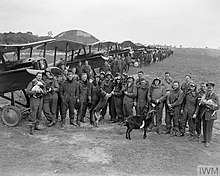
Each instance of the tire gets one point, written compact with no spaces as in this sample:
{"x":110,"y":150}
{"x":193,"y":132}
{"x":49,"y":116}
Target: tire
{"x":11,"y":116}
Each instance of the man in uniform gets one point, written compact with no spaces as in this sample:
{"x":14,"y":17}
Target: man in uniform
{"x":87,"y":69}
{"x":105,"y":68}
{"x":51,"y":98}
{"x":174,"y":102}
{"x":201,"y":94}
{"x":209,"y":114}
{"x":142,"y":98}
{"x":185,"y":87}
{"x":130,"y":93}
{"x":114,"y":66}
{"x":79,"y":69}
{"x":84,"y":98}
{"x":156,"y":96}
{"x":36,"y":90}
{"x":107,"y":86}
{"x":128,"y":62}
{"x":69,"y":93}
{"x":167,"y":83}
{"x":140,"y":76}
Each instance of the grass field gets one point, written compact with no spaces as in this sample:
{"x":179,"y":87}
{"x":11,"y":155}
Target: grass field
{"x":105,"y":151}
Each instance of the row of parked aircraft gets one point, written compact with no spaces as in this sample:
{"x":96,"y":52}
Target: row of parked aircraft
{"x":15,"y":75}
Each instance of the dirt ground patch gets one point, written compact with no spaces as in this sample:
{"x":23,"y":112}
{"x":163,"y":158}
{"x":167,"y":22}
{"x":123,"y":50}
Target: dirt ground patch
{"x":104,"y":150}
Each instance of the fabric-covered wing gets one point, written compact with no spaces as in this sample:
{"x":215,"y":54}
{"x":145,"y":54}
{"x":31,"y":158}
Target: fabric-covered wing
{"x":103,"y":44}
{"x":11,"y":48}
{"x":64,"y":45}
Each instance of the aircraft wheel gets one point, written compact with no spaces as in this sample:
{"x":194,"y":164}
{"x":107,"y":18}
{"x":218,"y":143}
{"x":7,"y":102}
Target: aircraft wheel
{"x":11,"y":116}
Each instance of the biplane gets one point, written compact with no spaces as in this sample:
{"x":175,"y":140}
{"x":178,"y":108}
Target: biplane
{"x":78,"y":52}
{"x":111,"y":48}
{"x":15,"y":76}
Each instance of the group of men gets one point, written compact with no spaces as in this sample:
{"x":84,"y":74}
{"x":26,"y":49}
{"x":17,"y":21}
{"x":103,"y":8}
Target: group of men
{"x":79,"y":89}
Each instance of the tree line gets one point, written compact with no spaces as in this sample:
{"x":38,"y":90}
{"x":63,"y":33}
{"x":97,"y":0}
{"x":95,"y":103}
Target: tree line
{"x":19,"y":37}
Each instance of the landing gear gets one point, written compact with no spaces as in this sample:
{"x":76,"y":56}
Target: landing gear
{"x":11,"y":115}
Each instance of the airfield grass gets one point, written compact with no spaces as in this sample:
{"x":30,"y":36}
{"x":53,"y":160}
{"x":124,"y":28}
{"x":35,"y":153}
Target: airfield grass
{"x":104,"y":150}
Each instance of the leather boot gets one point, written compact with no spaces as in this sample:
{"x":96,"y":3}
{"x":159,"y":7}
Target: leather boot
{"x":72,"y":122}
{"x":62,"y":123}
{"x":36,"y":126}
{"x":31,"y":128}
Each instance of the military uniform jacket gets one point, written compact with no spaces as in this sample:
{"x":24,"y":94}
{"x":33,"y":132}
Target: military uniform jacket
{"x":211,"y":113}
{"x":51,"y":84}
{"x":167,"y":84}
{"x":131,"y":92}
{"x":175,"y":98}
{"x":157,"y":93}
{"x":142,"y":94}
{"x":69,"y":89}
{"x":190,"y":103}
{"x":84,"y":90}
{"x":107,"y":85}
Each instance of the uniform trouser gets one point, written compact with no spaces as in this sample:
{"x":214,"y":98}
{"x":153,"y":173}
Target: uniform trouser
{"x":82,"y":111}
{"x":198,"y":125}
{"x":192,"y":125}
{"x":53,"y":101}
{"x":175,"y":117}
{"x":50,"y":106}
{"x":118,"y":107}
{"x":59,"y":108}
{"x":207,"y":130}
{"x":159,"y":112}
{"x":158,"y":115}
{"x":199,"y":122}
{"x":183,"y":120}
{"x":68,"y":103}
{"x":128,"y":66}
{"x":140,"y":108}
{"x":109,"y":104}
{"x":36,"y":105}
{"x":128,"y":106}
{"x":168,"y":118}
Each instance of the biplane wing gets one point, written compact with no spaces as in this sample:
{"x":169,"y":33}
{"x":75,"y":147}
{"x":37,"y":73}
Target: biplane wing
{"x":63,"y":45}
{"x":9,"y":79}
{"x":103,"y":44}
{"x":14,"y":47}
{"x":127,"y":44}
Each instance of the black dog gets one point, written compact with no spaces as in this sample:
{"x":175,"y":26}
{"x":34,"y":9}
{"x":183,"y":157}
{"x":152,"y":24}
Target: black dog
{"x":138,"y":122}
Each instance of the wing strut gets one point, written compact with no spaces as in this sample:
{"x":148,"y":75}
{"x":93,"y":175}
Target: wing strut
{"x":66,"y":53}
{"x":19,"y":53}
{"x":55,"y":55}
{"x":72,"y":55}
{"x":31,"y":51}
{"x":45,"y":44}
{"x":3,"y":60}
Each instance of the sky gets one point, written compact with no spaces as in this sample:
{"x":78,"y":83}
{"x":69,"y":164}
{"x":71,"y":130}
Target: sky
{"x":190,"y":23}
